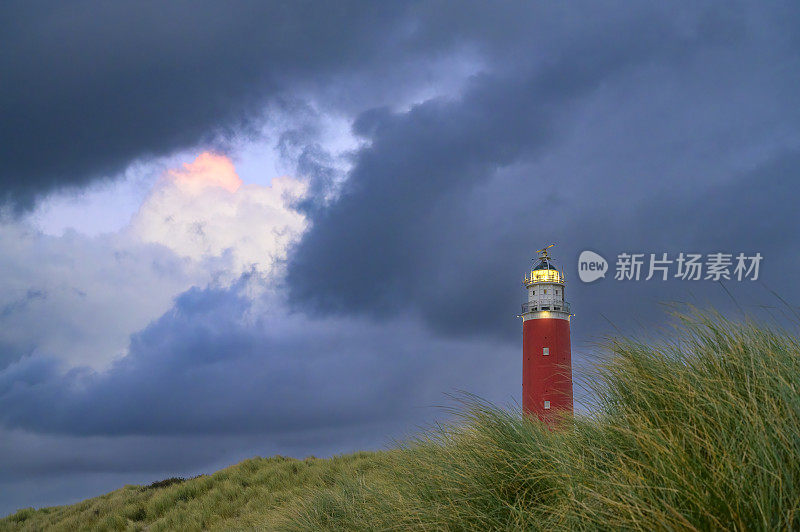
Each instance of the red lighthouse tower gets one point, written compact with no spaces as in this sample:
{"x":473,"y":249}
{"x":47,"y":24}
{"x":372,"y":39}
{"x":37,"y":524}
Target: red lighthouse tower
{"x":546,"y":354}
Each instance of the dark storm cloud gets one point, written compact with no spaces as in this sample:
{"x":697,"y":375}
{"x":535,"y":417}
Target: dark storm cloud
{"x":755,"y":210}
{"x":417,"y":227}
{"x":753,"y":213}
{"x":88,"y":87}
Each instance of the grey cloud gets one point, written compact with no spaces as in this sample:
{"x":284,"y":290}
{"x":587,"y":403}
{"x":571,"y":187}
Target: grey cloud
{"x":413,"y":230}
{"x":212,"y":366}
{"x":31,"y":295}
{"x":62,"y":295}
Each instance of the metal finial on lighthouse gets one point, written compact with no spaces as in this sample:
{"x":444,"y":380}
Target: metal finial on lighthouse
{"x":546,"y":363}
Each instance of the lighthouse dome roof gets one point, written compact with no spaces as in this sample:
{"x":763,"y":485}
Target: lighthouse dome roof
{"x":545,"y":264}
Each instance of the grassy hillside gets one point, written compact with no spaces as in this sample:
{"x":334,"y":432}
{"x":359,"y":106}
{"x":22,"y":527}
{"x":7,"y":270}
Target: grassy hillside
{"x":252,"y":494}
{"x":700,"y":430}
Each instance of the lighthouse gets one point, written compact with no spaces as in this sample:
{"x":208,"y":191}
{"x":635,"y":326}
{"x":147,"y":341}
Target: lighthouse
{"x":546,"y":354}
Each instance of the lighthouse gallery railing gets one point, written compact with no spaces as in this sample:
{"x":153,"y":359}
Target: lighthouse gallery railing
{"x":545,"y":305}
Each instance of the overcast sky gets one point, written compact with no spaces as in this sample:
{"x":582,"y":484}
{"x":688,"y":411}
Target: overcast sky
{"x":240,"y":228}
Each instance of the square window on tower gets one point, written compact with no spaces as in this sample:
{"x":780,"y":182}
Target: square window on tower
{"x":547,"y":405}
{"x":545,"y":351}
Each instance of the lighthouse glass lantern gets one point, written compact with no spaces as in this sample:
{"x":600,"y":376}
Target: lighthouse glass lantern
{"x":546,"y":353}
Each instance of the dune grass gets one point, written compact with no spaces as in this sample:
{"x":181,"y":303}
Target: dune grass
{"x":250,"y":495}
{"x":698,"y":430}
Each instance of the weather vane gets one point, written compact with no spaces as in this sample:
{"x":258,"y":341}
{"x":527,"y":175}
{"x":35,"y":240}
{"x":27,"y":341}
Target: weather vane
{"x":543,"y":252}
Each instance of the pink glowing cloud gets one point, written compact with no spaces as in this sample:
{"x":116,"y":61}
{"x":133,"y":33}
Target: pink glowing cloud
{"x":202,"y":211}
{"x":207,"y":170}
